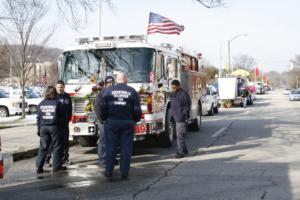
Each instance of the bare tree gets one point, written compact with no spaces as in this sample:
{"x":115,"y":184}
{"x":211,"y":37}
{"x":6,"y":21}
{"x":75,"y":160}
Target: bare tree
{"x":25,"y":36}
{"x":71,"y":9}
{"x":4,"y":60}
{"x":244,"y":62}
{"x":211,"y":72}
{"x":211,"y":3}
{"x":296,"y":61}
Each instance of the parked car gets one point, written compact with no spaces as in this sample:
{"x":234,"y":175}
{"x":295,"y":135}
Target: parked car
{"x":287,"y":91}
{"x":260,"y":88}
{"x":10,"y":106}
{"x":294,"y":95}
{"x":31,"y":98}
{"x":212,"y":99}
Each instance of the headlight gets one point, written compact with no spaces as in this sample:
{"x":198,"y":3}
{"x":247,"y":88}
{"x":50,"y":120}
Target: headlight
{"x":91,"y":117}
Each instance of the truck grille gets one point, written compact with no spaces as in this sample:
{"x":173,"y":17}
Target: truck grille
{"x":80,"y":105}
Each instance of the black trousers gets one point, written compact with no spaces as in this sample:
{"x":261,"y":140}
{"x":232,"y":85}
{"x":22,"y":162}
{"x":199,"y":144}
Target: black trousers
{"x":65,"y":144}
{"x":48,"y":135}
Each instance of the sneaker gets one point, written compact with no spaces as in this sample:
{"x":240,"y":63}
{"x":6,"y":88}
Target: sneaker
{"x":48,"y":164}
{"x":67,"y":162}
{"x":107,"y":176}
{"x":59,"y":169}
{"x":101,"y":165}
{"x":39,"y":170}
{"x":179,"y":155}
{"x":124,"y":177}
{"x":185,"y":152}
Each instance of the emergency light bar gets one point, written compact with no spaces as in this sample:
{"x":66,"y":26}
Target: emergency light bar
{"x":130,"y":38}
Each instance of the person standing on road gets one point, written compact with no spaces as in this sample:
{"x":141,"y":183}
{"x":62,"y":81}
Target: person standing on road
{"x":245,"y":95}
{"x":121,"y":109}
{"x":66,"y":101}
{"x":108,"y":82}
{"x":50,"y":117}
{"x":180,"y":111}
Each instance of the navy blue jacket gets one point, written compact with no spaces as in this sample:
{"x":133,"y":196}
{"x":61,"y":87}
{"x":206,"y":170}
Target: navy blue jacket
{"x":180,"y":105}
{"x":97,"y":106}
{"x":120,"y":102}
{"x":66,"y":101}
{"x":50,"y":113}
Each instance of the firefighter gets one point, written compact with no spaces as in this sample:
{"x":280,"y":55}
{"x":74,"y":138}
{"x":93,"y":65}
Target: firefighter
{"x":66,"y":101}
{"x":180,"y":111}
{"x":121,"y":109}
{"x":50,"y":116}
{"x":108,"y":82}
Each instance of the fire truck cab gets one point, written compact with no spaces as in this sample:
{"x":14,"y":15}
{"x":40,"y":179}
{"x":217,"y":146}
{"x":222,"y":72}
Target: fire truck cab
{"x":150,"y":71}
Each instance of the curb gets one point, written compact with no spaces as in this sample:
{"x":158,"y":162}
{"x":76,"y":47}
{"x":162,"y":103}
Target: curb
{"x":22,"y":155}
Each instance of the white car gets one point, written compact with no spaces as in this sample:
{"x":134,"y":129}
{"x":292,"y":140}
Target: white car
{"x":294,"y":95}
{"x":212,"y":100}
{"x":31,"y":98}
{"x":10,"y":106}
{"x":287,"y":91}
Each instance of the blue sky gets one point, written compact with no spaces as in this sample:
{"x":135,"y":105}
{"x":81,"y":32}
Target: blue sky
{"x":272,"y":28}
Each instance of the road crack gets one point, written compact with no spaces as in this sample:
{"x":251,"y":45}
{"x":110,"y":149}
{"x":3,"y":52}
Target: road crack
{"x":264,"y":195}
{"x":222,"y":135}
{"x":157,"y":180}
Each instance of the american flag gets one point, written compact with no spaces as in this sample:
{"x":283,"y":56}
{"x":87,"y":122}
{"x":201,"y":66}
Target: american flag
{"x":163,"y":25}
{"x":152,"y":75}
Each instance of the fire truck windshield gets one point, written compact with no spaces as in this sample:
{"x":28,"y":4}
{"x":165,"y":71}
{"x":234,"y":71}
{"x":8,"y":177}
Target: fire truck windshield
{"x":80,"y":65}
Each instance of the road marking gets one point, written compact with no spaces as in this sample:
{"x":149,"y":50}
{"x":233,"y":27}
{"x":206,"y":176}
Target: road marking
{"x":216,"y":134}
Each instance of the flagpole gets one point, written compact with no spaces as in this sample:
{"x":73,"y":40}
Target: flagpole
{"x":148,"y":27}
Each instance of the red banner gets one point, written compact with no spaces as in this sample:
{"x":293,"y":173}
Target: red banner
{"x":256,"y":71}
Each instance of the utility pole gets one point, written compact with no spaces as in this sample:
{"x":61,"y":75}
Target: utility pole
{"x":229,"y":41}
{"x":220,"y":67}
{"x":10,"y":70}
{"x":229,"y":67}
{"x":100,"y":17}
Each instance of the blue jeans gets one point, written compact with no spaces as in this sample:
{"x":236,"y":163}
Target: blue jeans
{"x":50,"y":134}
{"x":101,"y":144}
{"x":119,"y":132}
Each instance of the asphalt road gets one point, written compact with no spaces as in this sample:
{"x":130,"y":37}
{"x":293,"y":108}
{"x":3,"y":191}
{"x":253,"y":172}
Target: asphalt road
{"x":238,"y":154}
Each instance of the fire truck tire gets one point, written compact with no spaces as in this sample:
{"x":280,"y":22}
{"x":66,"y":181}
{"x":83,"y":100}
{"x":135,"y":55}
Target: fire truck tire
{"x":195,"y":125}
{"x":87,"y":141}
{"x":216,"y":109}
{"x":212,"y":111}
{"x":166,"y":138}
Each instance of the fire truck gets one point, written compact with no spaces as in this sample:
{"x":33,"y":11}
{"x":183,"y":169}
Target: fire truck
{"x":150,"y":69}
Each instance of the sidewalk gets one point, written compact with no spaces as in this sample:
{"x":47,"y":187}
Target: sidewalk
{"x":21,"y":142}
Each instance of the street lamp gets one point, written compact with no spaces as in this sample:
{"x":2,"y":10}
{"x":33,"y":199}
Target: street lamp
{"x":229,"y":41}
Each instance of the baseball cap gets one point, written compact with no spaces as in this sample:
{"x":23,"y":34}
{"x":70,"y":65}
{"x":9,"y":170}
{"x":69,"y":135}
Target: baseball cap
{"x":109,"y":79}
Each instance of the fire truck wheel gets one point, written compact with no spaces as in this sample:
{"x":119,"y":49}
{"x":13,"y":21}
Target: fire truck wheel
{"x":211,"y":112}
{"x":166,"y":138}
{"x":216,"y":109}
{"x":196,"y":123}
{"x":87,"y":141}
